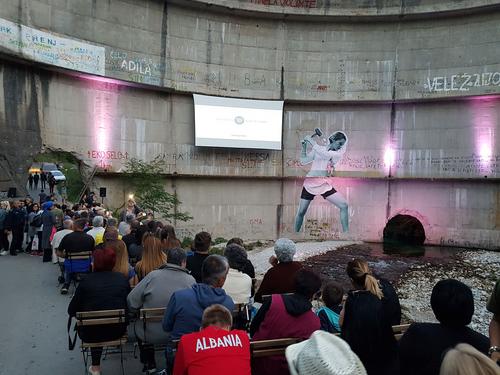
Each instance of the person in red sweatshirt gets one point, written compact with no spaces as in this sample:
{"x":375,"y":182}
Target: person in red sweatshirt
{"x":215,"y":349}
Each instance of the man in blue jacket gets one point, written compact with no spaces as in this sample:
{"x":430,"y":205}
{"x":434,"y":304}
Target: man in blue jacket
{"x":185,"y":308}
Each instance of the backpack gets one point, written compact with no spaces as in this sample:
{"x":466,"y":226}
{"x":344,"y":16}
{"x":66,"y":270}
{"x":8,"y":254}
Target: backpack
{"x":37,"y":220}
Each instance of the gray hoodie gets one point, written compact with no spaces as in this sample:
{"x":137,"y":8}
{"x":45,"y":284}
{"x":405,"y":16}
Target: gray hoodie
{"x":155,"y":291}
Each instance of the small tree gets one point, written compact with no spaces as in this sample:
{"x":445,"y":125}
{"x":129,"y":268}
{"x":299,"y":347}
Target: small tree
{"x":145,"y":179}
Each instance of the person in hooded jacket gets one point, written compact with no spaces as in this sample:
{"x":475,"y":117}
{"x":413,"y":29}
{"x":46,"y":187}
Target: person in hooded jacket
{"x":317,"y":181}
{"x":185,"y":308}
{"x":286,"y":316}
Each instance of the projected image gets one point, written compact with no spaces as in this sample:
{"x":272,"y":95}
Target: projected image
{"x":318,"y":180}
{"x":239,"y":123}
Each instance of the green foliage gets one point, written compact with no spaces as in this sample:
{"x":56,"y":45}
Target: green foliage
{"x":186,"y":243}
{"x":70,"y":168}
{"x":219,"y":240}
{"x":216,"y":250}
{"x":149,"y":192}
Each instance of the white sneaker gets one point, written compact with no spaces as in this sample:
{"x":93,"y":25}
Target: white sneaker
{"x":3,"y":253}
{"x":92,"y":372}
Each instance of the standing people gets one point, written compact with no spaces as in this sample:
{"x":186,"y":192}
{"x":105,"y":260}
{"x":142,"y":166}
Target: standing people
{"x":4,"y":242}
{"x":48,"y":221}
{"x":42,"y":197}
{"x":43,"y":179}
{"x":30,"y":181}
{"x":34,"y":229}
{"x":52,"y":182}
{"x":14,"y":222}
{"x":36,"y":178}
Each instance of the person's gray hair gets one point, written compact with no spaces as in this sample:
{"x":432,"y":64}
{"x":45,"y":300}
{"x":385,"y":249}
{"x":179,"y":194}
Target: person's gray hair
{"x":284,"y":249}
{"x":112,"y":222}
{"x":98,"y":221}
{"x":213,"y":268}
{"x":123,"y":228}
{"x":67,"y":224}
{"x":236,"y":256}
{"x":176,"y":256}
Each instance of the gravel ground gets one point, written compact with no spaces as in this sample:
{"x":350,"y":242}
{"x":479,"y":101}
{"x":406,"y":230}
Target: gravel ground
{"x":413,"y":277}
{"x":260,"y":258}
{"x":478,"y":269}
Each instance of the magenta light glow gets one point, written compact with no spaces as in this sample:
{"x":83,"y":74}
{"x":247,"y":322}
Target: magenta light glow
{"x":103,"y":103}
{"x":389,"y":157}
{"x":484,"y":121}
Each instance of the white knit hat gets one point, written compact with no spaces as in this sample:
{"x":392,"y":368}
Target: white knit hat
{"x":323,"y":354}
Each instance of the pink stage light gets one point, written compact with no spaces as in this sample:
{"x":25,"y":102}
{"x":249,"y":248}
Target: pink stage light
{"x":103,"y":103}
{"x":484,"y":121}
{"x":389,"y":157}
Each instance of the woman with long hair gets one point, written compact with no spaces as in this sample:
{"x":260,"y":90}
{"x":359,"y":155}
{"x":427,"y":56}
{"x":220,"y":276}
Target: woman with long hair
{"x":464,"y":359}
{"x":317,"y":181}
{"x":365,"y":325}
{"x":168,"y":238}
{"x":102,"y":289}
{"x":122,"y":265}
{"x":152,"y":256}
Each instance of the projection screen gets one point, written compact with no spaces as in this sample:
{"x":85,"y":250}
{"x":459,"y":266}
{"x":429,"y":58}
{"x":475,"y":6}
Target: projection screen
{"x":238,"y":123}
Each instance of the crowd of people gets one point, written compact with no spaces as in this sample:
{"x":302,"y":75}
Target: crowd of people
{"x":137,"y":262}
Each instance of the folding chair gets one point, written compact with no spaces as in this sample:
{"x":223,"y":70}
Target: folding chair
{"x":399,"y":330}
{"x":78,"y":256}
{"x":101,"y":318}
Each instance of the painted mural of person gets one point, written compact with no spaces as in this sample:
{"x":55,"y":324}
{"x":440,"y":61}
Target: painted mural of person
{"x":317,"y":181}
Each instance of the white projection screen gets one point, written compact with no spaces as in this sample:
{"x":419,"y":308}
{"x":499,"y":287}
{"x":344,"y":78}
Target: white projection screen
{"x":238,"y":123}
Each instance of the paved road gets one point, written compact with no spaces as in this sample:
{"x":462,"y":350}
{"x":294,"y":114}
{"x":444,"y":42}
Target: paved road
{"x":33,"y":338}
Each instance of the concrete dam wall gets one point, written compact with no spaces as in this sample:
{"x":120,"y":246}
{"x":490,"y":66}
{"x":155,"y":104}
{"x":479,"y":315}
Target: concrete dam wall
{"x":414,"y":86}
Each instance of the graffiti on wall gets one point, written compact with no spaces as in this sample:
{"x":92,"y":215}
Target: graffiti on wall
{"x":288,"y":3}
{"x":462,"y":82}
{"x":51,"y":49}
{"x":136,"y":67}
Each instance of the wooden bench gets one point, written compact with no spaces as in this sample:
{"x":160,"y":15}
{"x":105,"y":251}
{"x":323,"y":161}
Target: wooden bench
{"x":399,"y":330}
{"x":265,"y":348}
{"x":101,"y":318}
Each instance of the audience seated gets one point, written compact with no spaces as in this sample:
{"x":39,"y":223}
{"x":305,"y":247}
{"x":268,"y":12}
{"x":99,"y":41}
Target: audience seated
{"x":130,"y":237}
{"x":168,"y":238}
{"x":75,"y":242}
{"x":493,"y":306}
{"x":365,"y":325}
{"x":248,"y":268}
{"x":323,"y":354}
{"x":464,"y":359}
{"x":135,"y":249}
{"x":58,"y":236}
{"x":122,"y":265}
{"x":154,"y":291}
{"x":152,"y":256}
{"x":215,"y":349}
{"x":201,"y":245}
{"x":280,"y":278}
{"x":286,"y":316}
{"x":329,"y":315}
{"x":238,"y":285}
{"x":97,"y":231}
{"x":185,"y":308}
{"x":424,"y":344}
{"x":100,"y":290}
